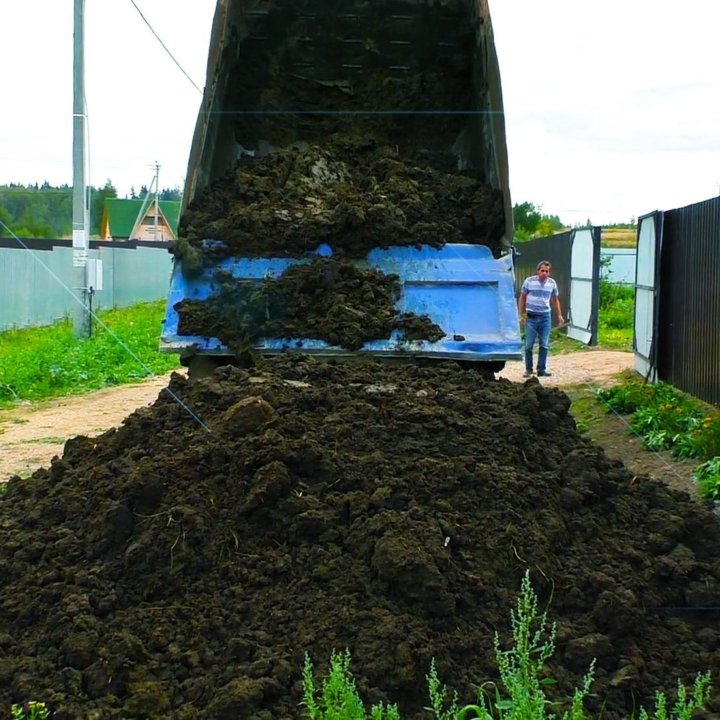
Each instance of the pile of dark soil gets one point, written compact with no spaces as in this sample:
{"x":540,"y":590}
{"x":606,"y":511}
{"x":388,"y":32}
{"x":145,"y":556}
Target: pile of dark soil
{"x":354,"y":195}
{"x":173,"y":569}
{"x":337,"y":302}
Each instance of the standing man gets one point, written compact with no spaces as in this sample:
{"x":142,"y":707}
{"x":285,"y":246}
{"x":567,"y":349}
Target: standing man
{"x":537,"y":294}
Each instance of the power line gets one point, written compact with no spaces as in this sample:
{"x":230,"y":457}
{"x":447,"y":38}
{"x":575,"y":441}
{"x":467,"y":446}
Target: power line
{"x":157,"y":37}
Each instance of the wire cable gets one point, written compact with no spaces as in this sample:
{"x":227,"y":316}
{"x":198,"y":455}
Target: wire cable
{"x":157,"y":37}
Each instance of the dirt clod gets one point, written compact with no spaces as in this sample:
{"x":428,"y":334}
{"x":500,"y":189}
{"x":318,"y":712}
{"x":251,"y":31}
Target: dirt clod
{"x":164,"y":570}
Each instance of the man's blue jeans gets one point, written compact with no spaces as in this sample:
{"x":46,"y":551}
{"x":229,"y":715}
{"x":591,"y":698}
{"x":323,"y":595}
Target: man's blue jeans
{"x":537,"y":327}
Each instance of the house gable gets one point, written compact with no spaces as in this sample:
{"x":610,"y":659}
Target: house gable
{"x":135,"y":220}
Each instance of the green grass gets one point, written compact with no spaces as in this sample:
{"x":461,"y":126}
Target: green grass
{"x":668,"y":419}
{"x":45,"y":362}
{"x":561,"y":344}
{"x":615,"y":315}
{"x":615,"y":322}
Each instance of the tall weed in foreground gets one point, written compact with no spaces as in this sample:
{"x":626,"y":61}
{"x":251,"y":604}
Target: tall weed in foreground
{"x":30,"y":711}
{"x":338,"y":698}
{"x":520,"y":694}
{"x":684,"y":706}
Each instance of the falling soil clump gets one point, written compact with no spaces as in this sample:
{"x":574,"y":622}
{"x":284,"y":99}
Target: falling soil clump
{"x":181,"y":565}
{"x":354,"y":195}
{"x":337,"y":302}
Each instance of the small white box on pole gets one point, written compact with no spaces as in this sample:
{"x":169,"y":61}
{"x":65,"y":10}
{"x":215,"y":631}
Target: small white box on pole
{"x":94,"y":274}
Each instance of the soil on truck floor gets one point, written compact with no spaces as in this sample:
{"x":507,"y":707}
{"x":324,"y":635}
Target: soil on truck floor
{"x":181,"y":565}
{"x":355,"y":194}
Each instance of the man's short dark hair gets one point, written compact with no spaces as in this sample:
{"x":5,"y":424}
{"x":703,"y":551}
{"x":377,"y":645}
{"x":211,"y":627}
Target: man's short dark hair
{"x":542,"y":263}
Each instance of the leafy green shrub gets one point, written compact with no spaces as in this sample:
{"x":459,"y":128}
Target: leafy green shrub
{"x":666,"y":418}
{"x":707,"y":476}
{"x":669,"y":426}
{"x":626,"y":398}
{"x":339,"y":699}
{"x":29,"y":711}
{"x":707,"y":436}
{"x":684,"y":706}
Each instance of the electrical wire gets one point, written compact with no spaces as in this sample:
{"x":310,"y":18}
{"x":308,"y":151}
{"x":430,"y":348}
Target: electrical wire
{"x":157,"y":37}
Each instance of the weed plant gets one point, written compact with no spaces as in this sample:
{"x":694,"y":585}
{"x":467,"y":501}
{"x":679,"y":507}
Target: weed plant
{"x":685,"y":706}
{"x":45,"y":362}
{"x":520,"y":694}
{"x":30,"y":711}
{"x":707,"y":476}
{"x":668,"y":419}
{"x":338,"y":698}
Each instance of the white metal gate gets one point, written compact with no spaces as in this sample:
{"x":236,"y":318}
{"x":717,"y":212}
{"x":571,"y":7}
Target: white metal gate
{"x":584,"y":278}
{"x":649,"y":239}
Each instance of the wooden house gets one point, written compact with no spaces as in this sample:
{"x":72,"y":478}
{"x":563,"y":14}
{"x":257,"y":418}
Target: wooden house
{"x":140,"y":219}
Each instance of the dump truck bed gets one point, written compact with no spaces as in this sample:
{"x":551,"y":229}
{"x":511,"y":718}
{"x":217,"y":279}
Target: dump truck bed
{"x":385,"y":120}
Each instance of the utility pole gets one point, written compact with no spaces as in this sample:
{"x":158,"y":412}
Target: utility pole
{"x":80,"y":243}
{"x":157,"y":196}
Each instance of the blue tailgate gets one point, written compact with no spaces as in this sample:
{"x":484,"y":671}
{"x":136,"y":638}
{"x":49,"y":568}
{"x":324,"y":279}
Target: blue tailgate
{"x":462,"y":288}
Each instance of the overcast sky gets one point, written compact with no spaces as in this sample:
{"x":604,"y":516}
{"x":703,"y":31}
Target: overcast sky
{"x":612,"y":106}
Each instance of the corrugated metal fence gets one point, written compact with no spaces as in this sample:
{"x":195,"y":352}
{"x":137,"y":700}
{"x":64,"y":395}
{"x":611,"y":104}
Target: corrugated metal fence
{"x":687,"y":305}
{"x":37,"y":282}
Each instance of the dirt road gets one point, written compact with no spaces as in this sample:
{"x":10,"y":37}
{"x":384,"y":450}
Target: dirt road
{"x":594,"y":367}
{"x":31,"y":435}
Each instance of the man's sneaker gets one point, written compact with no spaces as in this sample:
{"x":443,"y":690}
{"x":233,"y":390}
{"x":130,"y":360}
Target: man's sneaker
{"x":544,"y":373}
{"x":528,"y":373}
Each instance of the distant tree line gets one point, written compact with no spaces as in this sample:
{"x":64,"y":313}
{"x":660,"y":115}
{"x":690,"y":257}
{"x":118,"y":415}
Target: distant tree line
{"x":44,"y":211}
{"x":530,"y":222}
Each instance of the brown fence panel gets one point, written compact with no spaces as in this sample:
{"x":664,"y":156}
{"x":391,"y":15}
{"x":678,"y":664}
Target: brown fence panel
{"x":688,"y":349}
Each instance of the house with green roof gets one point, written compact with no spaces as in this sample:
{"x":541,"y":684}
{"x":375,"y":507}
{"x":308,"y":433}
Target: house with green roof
{"x":140,"y":219}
